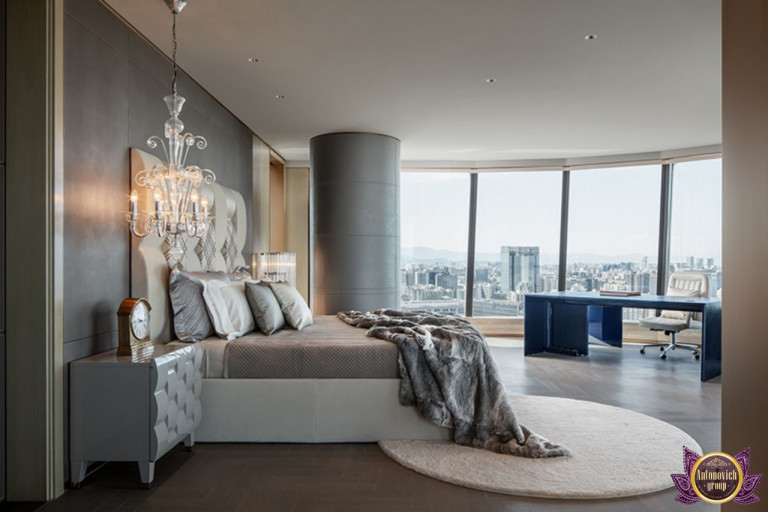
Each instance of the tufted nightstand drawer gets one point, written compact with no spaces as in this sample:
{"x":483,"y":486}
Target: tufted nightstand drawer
{"x":134,"y":410}
{"x":176,"y":409}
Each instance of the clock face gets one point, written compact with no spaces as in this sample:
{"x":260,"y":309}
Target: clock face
{"x":140,"y":320}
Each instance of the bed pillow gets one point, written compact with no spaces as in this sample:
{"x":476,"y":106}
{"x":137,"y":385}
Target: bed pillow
{"x":230,"y":314}
{"x":679,"y":315}
{"x":264,"y":306}
{"x":295,"y":310}
{"x":190,"y":317}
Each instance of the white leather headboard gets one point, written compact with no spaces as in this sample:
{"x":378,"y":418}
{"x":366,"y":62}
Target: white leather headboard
{"x":220,"y":249}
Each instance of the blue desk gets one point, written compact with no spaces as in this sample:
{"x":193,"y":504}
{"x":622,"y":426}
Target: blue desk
{"x":563,"y":321}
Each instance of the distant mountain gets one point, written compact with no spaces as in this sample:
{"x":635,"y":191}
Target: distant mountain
{"x":423,"y":255}
{"x":429,"y":255}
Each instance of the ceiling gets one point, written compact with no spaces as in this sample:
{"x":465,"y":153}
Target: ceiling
{"x":418,"y":70}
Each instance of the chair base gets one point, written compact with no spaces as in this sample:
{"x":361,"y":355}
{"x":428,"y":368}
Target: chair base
{"x":672,"y":345}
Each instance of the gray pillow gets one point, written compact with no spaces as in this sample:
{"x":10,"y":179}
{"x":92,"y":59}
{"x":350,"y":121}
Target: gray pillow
{"x":295,"y":310}
{"x":265,"y":308}
{"x":190,"y":316}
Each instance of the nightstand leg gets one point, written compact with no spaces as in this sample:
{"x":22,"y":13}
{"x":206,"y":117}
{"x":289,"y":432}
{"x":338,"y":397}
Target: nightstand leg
{"x":147,"y":471}
{"x":189,"y":441}
{"x":77,"y":469}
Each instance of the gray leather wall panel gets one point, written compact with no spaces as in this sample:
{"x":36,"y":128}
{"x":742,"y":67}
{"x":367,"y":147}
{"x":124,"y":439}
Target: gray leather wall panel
{"x":108,"y":28}
{"x":2,"y":251}
{"x":95,"y":183}
{"x":2,"y":81}
{"x":114,"y":83}
{"x":355,"y":218}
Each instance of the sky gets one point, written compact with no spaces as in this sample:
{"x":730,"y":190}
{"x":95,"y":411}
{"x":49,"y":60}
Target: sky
{"x":613,"y":212}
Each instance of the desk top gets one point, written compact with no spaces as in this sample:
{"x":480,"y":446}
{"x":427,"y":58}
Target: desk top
{"x":681,"y":303}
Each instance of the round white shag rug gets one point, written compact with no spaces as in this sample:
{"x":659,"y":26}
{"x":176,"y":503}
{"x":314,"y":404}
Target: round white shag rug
{"x":616,"y":453}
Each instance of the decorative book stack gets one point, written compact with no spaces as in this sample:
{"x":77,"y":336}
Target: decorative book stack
{"x":616,"y":293}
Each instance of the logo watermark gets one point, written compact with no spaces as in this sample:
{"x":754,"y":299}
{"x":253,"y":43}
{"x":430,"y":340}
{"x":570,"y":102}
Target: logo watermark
{"x":716,"y":478}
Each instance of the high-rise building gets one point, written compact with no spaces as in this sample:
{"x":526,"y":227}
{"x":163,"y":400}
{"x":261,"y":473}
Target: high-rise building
{"x":519,"y":269}
{"x":481,"y":275}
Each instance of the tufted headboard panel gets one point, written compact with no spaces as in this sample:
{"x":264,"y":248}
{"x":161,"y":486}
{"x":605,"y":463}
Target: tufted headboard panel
{"x":221,"y":249}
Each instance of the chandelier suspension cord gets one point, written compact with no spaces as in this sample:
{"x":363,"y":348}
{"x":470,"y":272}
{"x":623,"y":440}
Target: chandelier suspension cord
{"x":173,"y":82}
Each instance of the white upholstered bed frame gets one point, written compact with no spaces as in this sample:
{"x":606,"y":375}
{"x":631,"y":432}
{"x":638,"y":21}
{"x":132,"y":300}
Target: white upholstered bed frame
{"x":266,"y":410}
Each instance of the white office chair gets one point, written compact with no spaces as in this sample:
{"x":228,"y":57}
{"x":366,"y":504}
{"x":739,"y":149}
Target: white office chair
{"x":681,"y":284}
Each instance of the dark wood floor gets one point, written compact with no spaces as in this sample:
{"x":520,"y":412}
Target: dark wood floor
{"x":359,"y":477}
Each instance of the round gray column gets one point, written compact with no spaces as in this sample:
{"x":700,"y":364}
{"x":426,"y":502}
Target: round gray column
{"x":355,"y":218}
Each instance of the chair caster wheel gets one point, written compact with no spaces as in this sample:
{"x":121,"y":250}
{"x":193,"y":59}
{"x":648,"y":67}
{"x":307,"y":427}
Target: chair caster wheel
{"x":642,"y":351}
{"x":697,"y":356}
{"x":663,"y":356}
{"x":661,"y":349}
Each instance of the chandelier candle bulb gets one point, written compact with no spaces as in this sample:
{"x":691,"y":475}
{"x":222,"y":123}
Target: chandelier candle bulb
{"x":195,"y":203}
{"x":158,"y":204}
{"x":134,"y":206}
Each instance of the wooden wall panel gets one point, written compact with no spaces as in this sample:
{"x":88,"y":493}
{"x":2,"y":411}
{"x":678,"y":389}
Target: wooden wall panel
{"x":297,"y":224}
{"x":276,"y":206}
{"x":745,"y":238}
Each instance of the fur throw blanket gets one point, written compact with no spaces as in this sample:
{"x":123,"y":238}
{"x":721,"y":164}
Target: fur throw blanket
{"x":448,"y":372}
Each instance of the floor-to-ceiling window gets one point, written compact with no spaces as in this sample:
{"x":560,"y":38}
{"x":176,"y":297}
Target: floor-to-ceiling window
{"x":517,"y":239}
{"x":613,"y":230}
{"x":696,"y":220}
{"x":434,"y":212}
{"x":613,"y":233}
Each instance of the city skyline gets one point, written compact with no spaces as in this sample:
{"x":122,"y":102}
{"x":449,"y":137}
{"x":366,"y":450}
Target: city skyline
{"x":441,"y":286}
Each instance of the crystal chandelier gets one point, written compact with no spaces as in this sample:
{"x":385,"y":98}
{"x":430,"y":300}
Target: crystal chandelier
{"x":178,"y":205}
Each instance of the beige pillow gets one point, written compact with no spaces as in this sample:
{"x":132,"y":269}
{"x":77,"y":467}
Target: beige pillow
{"x":295,"y":309}
{"x":679,"y":315}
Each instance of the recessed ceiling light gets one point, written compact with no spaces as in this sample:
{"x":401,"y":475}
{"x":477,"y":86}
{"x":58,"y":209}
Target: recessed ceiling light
{"x":490,"y":80}
{"x":590,"y":37}
{"x":253,"y":60}
{"x":279,"y":96}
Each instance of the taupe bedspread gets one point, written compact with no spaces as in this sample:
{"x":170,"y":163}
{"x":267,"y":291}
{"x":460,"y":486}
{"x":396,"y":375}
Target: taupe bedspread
{"x":328,"y":349}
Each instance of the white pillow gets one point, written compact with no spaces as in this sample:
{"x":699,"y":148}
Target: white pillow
{"x":295,"y":310}
{"x":228,"y":307}
{"x":679,"y":315}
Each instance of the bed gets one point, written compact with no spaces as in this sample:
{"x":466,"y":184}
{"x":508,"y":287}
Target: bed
{"x":298,"y":398}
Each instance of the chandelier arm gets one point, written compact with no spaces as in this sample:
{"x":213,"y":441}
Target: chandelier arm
{"x":152,"y":143}
{"x":186,"y":150}
{"x":141,"y":224}
{"x":161,"y":226}
{"x":185,"y":193}
{"x":165,"y":200}
{"x":208,"y":176}
{"x":192,"y":227}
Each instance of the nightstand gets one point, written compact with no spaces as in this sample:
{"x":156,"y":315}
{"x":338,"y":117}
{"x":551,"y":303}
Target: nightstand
{"x":133,"y":408}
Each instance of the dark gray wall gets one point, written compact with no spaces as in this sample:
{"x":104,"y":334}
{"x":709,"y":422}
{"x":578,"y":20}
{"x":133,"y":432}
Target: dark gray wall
{"x":2,"y":251}
{"x":355,"y":210}
{"x":114,"y":83}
